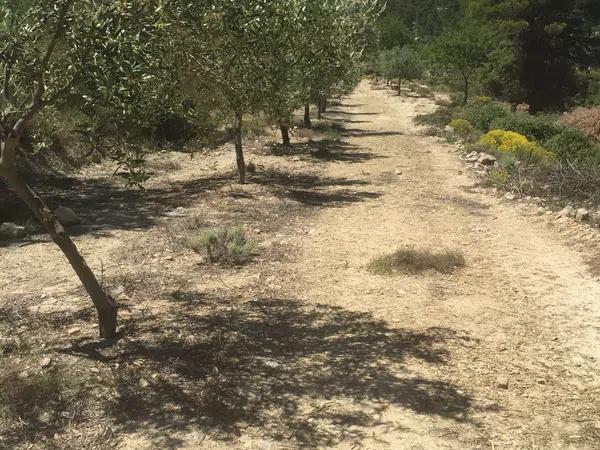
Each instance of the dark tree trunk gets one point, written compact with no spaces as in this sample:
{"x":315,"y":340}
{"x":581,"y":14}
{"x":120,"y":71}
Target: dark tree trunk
{"x":320,"y":108}
{"x":466,"y":90}
{"x":307,"y":123}
{"x":399,"y":86}
{"x":105,"y":305}
{"x":239,"y":150}
{"x":325,"y":104}
{"x":285,"y":135}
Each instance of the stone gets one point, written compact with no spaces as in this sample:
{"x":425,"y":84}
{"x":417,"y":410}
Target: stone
{"x":9,"y":230}
{"x":398,"y":172}
{"x":582,"y":215}
{"x":568,"y":211}
{"x":66,"y":216}
{"x":502,"y":382}
{"x":74,"y":330}
{"x":510,"y":196}
{"x":46,"y":362}
{"x":472,"y":157}
{"x":486,"y":159}
{"x":541,"y":211}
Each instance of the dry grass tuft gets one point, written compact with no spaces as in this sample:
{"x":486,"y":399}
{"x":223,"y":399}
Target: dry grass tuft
{"x":412,"y":261}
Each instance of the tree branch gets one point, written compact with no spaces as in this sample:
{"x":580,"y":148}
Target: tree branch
{"x":9,"y":145}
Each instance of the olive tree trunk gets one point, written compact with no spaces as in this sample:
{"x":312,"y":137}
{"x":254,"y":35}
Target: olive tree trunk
{"x":239,"y":149}
{"x":105,"y":305}
{"x":285,"y":135}
{"x":307,"y":123}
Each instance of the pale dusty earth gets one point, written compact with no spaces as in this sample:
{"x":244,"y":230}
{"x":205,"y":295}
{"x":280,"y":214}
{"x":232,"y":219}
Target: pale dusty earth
{"x":304,"y":347}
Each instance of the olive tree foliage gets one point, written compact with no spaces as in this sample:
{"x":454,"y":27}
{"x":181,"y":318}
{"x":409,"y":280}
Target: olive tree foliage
{"x":401,"y":64}
{"x":336,"y":35}
{"x":463,"y":51}
{"x":103,"y":53}
{"x":238,"y":47}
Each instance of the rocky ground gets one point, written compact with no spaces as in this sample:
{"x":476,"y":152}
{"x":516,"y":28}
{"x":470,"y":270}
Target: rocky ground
{"x":304,"y":347}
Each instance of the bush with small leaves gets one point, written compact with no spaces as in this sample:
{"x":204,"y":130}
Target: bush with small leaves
{"x":461,"y":127}
{"x":481,"y":113}
{"x":537,"y":128}
{"x":574,"y":145}
{"x":227,"y":246}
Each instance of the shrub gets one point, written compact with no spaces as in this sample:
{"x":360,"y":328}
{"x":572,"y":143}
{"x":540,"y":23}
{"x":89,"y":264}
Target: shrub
{"x":422,"y":91}
{"x":499,"y":176}
{"x":482,"y":113}
{"x":574,"y":145}
{"x":516,"y":144}
{"x":483,"y":99}
{"x":409,"y":260}
{"x":461,"y":127}
{"x":538,"y":128}
{"x":584,"y":119}
{"x":227,"y":246}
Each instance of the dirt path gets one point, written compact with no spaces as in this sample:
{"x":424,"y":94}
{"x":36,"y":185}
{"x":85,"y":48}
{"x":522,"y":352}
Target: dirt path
{"x":305,"y":348}
{"x":524,"y":312}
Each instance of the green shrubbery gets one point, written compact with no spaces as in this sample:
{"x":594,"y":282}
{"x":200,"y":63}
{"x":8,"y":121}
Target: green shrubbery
{"x":462,"y":127}
{"x":481,"y":113}
{"x":573,"y":145}
{"x":538,"y":128}
{"x":226,"y":246}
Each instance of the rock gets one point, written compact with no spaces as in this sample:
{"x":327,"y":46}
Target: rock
{"x":510,"y":196}
{"x":45,"y":417}
{"x":582,"y":215}
{"x":66,"y":216}
{"x":502,"y":382}
{"x":486,"y":159}
{"x":541,"y":211}
{"x":46,"y":362}
{"x":398,"y":172}
{"x":472,"y":157}
{"x":72,"y":331}
{"x":9,"y":230}
{"x":449,"y":129}
{"x":568,"y":211}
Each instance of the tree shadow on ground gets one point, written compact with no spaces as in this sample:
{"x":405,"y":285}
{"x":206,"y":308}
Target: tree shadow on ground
{"x":327,"y":150}
{"x":357,"y":132}
{"x":295,"y":371}
{"x":347,"y":113}
{"x":105,"y":206}
{"x":313,"y":190}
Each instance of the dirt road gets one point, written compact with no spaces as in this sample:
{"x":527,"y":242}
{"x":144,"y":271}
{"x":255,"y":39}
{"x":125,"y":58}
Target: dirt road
{"x":312,"y":350}
{"x":503,"y":354}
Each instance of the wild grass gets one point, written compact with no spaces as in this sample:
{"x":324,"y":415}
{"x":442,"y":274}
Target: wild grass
{"x":413,"y":261}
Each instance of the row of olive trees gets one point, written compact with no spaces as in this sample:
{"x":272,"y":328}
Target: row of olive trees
{"x":398,"y":64}
{"x":132,"y":57}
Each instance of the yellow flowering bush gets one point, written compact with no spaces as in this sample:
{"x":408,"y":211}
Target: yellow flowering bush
{"x":461,"y":127}
{"x":516,"y":144}
{"x":483,"y":99}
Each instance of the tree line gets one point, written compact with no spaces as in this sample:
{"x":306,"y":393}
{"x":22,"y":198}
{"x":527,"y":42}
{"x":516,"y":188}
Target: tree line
{"x":545,"y":53}
{"x":139,"y":61}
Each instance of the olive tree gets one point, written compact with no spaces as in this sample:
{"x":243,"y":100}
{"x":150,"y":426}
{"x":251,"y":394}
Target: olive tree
{"x":463,"y":50}
{"x":51,"y":50}
{"x":339,"y":33}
